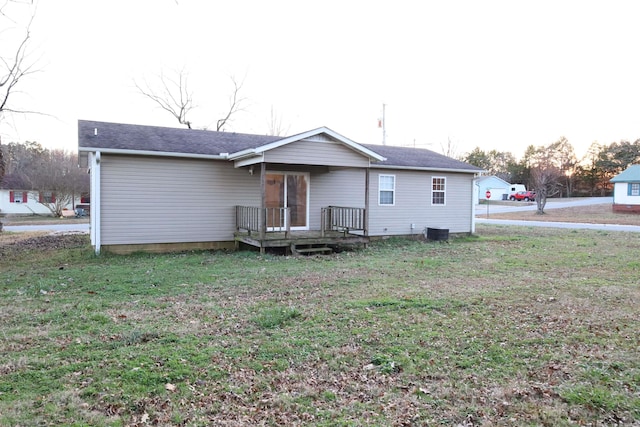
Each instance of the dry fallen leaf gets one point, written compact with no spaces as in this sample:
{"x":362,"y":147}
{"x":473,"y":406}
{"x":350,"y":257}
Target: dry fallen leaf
{"x":170,"y":387}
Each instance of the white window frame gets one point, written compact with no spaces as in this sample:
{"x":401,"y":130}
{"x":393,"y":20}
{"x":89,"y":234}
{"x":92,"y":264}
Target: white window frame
{"x":635,"y":189}
{"x":443,"y":191}
{"x":392,"y":190}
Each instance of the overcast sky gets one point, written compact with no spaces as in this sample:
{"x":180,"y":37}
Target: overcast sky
{"x":494,"y":74}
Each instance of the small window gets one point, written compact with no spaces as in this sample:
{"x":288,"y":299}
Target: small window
{"x":47,"y":197}
{"x":387,"y":189}
{"x":17,"y":196}
{"x":438,"y":190}
{"x":634,"y":189}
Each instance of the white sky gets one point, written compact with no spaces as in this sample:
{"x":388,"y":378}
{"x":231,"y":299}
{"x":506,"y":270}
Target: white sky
{"x":494,"y":74}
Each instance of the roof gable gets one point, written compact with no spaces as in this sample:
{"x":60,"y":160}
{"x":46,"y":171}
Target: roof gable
{"x":321,"y":134}
{"x":631,"y":174}
{"x":489,"y":178}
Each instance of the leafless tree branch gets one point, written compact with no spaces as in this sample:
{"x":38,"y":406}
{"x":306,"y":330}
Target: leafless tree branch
{"x":173,"y":97}
{"x":276,"y":128}
{"x":15,"y":69}
{"x":235,"y":103}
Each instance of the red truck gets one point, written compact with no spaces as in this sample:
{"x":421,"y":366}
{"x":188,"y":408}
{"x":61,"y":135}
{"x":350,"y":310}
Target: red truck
{"x":523,"y":195}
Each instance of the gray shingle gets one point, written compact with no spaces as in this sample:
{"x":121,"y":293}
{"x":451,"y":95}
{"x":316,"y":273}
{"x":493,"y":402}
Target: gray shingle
{"x":418,"y":158}
{"x":103,"y":135}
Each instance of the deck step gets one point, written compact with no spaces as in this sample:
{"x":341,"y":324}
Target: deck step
{"x":310,"y":250}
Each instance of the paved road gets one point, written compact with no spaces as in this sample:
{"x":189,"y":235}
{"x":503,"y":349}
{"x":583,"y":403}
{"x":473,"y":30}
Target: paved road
{"x":53,"y":228}
{"x":552,"y":204}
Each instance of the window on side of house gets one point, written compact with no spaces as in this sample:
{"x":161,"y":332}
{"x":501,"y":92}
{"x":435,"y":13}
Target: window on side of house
{"x":17,"y":196}
{"x":634,"y":189}
{"x":438,"y":190}
{"x":387,"y":190}
{"x":47,"y":197}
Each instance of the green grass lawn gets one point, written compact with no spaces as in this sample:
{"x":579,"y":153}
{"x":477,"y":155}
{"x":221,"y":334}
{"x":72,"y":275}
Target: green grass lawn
{"x":514,"y":326}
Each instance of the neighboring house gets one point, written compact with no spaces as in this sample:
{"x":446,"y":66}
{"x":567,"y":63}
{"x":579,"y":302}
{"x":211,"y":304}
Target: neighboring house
{"x":626,"y":190}
{"x":158,"y":189}
{"x":499,"y":188}
{"x":26,"y":202}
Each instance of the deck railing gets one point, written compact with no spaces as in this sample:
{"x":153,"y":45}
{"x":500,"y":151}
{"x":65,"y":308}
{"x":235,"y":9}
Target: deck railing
{"x":343,"y":219}
{"x":263,"y":220}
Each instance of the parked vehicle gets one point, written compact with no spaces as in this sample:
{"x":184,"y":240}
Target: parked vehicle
{"x":515,"y":188}
{"x":523,"y":195}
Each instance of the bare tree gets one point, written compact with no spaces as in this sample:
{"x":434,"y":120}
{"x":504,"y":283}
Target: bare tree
{"x":173,"y":96}
{"x":546,"y":181}
{"x":450,"y":149}
{"x":15,"y":63}
{"x":53,"y":176}
{"x":2,"y":167}
{"x":58,"y":180}
{"x":276,"y":127}
{"x":235,"y":104}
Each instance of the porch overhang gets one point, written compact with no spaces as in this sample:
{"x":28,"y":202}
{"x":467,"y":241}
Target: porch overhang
{"x":248,"y":160}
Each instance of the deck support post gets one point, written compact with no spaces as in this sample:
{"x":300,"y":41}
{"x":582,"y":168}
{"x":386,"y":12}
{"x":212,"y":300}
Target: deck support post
{"x":263,"y":201}
{"x":365,"y":220}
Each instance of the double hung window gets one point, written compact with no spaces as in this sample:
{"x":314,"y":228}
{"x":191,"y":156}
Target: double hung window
{"x":438,"y":190}
{"x":387,"y":190}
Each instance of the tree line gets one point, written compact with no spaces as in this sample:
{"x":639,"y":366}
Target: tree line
{"x":29,"y":167}
{"x":555,"y":170}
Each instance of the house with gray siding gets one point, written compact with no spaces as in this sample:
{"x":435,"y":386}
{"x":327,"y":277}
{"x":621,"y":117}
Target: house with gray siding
{"x":161,"y":189}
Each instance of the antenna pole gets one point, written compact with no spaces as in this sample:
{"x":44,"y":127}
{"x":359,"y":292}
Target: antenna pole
{"x":384,"y":125}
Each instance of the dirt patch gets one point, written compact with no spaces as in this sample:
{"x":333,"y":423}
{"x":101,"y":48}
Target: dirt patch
{"x":12,"y":244}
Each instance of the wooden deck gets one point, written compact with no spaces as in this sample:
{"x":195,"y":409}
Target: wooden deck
{"x":300,"y":242}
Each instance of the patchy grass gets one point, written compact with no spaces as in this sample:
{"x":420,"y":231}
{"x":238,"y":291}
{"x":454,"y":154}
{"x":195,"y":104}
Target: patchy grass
{"x":513,"y":326}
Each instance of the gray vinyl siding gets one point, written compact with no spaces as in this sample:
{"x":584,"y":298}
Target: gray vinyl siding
{"x":342,"y":187}
{"x":413,"y":204}
{"x":316,"y":153}
{"x":170,"y":200}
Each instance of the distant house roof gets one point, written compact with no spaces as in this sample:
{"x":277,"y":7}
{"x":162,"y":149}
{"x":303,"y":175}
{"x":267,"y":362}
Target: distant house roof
{"x":492,"y":178}
{"x":155,"y":140}
{"x":631,"y":174}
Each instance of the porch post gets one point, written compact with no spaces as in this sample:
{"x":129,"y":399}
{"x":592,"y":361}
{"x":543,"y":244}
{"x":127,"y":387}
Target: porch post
{"x":366,"y":202}
{"x":263,"y":202}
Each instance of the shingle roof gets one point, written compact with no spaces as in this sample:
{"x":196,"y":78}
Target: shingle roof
{"x":117,"y":136}
{"x":631,"y":174}
{"x":103,"y":135}
{"x":418,"y":158}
